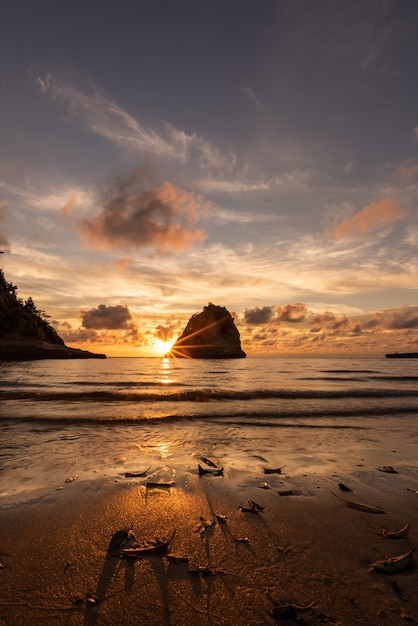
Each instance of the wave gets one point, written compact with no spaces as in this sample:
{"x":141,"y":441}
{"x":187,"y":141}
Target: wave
{"x":350,"y":371}
{"x":100,"y":384}
{"x":349,"y":418}
{"x":396,"y":378}
{"x":203,"y":395}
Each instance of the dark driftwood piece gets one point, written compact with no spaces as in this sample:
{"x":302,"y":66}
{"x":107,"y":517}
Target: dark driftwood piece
{"x":157,"y":547}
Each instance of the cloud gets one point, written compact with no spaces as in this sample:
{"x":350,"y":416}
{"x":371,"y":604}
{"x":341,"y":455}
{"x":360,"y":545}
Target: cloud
{"x":80,"y":335}
{"x":197,"y":148}
{"x":289,"y":313}
{"x":133,"y":214}
{"x":105,"y":325}
{"x":51,"y":197}
{"x":116,"y":317}
{"x":416,"y":132}
{"x":407,"y":172}
{"x":70,"y":203}
{"x":105,"y":117}
{"x":319,"y":320}
{"x":292,"y":313}
{"x":288,"y":182}
{"x":228,"y":216}
{"x":400,"y":319}
{"x":164,"y":333}
{"x":258,"y":315}
{"x":247,"y":90}
{"x":329,"y":332}
{"x":121,"y":264}
{"x":233,"y":186}
{"x":4,"y":242}
{"x":344,"y":325}
{"x":322,"y":318}
{"x":371,"y":216}
{"x":102,"y":115}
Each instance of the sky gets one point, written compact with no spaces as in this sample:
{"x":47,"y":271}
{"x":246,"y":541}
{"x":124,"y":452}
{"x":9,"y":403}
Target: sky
{"x":259,"y":155}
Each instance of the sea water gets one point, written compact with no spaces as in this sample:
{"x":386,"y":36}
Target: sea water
{"x":95,"y":420}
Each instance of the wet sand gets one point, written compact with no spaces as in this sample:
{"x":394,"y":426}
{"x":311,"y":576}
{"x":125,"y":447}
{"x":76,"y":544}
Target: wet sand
{"x":302,"y":548}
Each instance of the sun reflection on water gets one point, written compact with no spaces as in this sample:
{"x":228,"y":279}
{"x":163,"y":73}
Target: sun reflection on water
{"x":166,"y":377}
{"x":163,"y":449}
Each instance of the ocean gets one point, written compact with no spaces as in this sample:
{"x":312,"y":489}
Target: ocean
{"x":94,"y":420}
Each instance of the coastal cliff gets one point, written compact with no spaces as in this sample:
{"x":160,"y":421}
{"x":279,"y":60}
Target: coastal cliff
{"x":25,"y":333}
{"x":210,"y":334}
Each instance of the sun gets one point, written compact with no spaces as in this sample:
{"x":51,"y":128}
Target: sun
{"x":163,"y":347}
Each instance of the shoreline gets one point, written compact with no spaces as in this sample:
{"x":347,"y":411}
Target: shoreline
{"x":25,"y":349}
{"x":301,"y":548}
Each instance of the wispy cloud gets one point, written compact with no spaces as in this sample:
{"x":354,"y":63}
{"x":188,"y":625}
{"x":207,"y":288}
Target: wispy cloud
{"x":407,"y":172}
{"x":377,"y":214}
{"x":249,"y":92}
{"x":50,"y":197}
{"x":411,"y":237}
{"x":221,"y":215}
{"x":4,"y":242}
{"x":105,"y":117}
{"x":289,"y":181}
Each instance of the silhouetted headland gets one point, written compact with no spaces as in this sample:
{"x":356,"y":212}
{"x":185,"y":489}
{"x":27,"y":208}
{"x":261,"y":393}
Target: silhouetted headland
{"x":210,"y":334}
{"x":402,"y":355}
{"x":26,"y":335}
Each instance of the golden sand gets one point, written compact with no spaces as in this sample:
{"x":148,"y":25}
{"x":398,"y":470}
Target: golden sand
{"x":302,"y":548}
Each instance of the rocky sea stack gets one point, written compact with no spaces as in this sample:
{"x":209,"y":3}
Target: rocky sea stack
{"x":26,"y":335}
{"x":210,"y":334}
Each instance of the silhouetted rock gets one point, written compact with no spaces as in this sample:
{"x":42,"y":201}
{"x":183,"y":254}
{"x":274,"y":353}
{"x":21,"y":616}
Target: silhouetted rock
{"x":26,"y":335}
{"x":210,"y":334}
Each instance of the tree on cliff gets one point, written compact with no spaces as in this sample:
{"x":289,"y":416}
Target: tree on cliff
{"x":23,"y":320}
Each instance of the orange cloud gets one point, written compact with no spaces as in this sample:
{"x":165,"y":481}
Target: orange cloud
{"x":376,"y":214}
{"x":402,"y":318}
{"x":164,"y":333}
{"x":132,"y":214}
{"x":120,"y":264}
{"x":293,"y":313}
{"x":407,"y":172}
{"x":70,"y":204}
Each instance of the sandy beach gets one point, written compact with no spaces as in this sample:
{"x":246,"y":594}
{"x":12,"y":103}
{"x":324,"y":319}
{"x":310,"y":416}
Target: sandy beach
{"x":305,"y":547}
{"x":70,"y":432}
